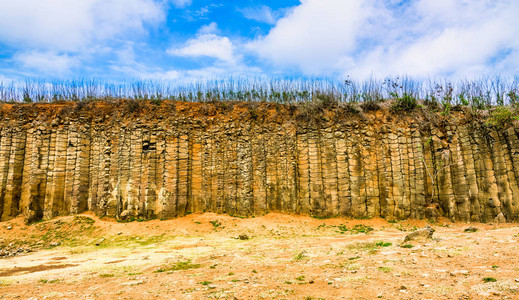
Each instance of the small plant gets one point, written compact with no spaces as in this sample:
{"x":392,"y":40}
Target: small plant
{"x":49,"y":281}
{"x":300,"y":278}
{"x":405,"y":103}
{"x":489,"y":279}
{"x":342,"y":228}
{"x":502,"y":116}
{"x":383,"y":244}
{"x":205,"y":282}
{"x":106,"y":275}
{"x":385,"y":269}
{"x":300,"y":256}
{"x":216,"y":223}
{"x":495,"y":267}
{"x":409,"y":246}
{"x":359,"y":228}
{"x":230,"y":273}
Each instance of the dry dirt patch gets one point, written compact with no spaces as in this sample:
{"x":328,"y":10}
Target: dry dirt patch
{"x":284,"y":257}
{"x":25,"y":270}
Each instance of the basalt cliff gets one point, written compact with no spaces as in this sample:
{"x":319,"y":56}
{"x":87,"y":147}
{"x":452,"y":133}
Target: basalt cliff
{"x":143,"y":160}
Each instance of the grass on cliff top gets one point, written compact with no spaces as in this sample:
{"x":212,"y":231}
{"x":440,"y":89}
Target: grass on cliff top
{"x":478,"y":93}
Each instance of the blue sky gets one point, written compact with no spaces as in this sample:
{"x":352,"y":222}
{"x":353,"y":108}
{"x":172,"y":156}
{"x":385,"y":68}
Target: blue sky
{"x":184,"y":39}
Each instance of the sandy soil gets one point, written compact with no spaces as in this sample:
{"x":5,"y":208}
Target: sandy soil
{"x":278,"y":257}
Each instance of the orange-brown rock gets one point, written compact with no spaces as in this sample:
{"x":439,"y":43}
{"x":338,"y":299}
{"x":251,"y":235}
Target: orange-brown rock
{"x":161,"y":160}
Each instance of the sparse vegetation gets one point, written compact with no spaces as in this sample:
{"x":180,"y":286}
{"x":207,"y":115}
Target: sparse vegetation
{"x":43,"y":280}
{"x":405,"y":91}
{"x":179,"y":266}
{"x":300,"y":256}
{"x":360,"y":228}
{"x":216,"y":223}
{"x":221,"y":267}
{"x":383,"y":244}
{"x":385,"y":269}
{"x":502,"y":115}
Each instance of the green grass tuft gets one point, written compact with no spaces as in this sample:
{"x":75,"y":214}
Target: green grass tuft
{"x":179,"y":266}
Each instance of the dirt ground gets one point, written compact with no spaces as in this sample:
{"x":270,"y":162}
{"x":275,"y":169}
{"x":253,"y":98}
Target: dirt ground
{"x":271,"y":257}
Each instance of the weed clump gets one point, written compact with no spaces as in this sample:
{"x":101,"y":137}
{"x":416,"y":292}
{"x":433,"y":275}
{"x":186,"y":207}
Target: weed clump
{"x":179,"y":266}
{"x":404,"y":103}
{"x":300,"y":256}
{"x":502,"y":116}
{"x":383,"y":244}
{"x":215,"y":223}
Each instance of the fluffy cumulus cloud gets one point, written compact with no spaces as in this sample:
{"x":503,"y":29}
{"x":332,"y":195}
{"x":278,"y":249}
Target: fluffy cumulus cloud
{"x":447,"y":37}
{"x":46,"y":62}
{"x":40,"y":29}
{"x":207,"y":43}
{"x":441,"y":37}
{"x":314,"y":36}
{"x":70,"y":25}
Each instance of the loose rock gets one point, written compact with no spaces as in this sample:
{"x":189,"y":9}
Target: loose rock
{"x":424,"y":233}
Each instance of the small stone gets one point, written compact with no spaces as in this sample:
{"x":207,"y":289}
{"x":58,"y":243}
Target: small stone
{"x":101,"y":240}
{"x":243,"y":237}
{"x":500,"y":218}
{"x":55,"y":244}
{"x":470,"y":229}
{"x":423,"y":233}
{"x":124,"y":214}
{"x":9,"y":227}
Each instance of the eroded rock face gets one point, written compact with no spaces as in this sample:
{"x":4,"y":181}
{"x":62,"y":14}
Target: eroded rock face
{"x":165,"y":161}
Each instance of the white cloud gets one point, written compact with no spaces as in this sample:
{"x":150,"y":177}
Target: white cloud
{"x":211,"y":28}
{"x":207,"y":43}
{"x":50,"y":63}
{"x":262,"y":14}
{"x":64,"y":25}
{"x":383,"y":37}
{"x":446,"y":37}
{"x":315,"y":35}
{"x":181,"y":3}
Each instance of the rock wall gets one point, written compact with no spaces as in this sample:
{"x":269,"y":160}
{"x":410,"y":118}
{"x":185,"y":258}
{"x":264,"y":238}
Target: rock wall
{"x":129,"y":160}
